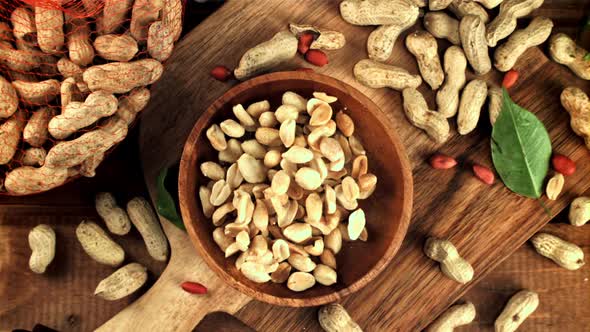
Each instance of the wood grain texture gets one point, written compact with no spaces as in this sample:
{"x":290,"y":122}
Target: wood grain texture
{"x":388,"y":207}
{"x":485,"y":223}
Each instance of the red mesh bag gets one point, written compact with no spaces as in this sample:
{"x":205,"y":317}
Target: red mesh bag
{"x":74,"y":74}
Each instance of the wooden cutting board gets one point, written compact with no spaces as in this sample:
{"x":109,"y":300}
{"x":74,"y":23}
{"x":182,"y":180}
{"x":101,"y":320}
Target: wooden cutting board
{"x":486,"y":223}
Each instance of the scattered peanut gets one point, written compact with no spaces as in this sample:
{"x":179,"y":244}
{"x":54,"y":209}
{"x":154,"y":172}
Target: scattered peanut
{"x":455,"y":316}
{"x":42,"y":243}
{"x":442,"y":26}
{"x":563,"y":253}
{"x":382,"y":39}
{"x":282,"y":46}
{"x":472,"y":32}
{"x":534,"y":34}
{"x":451,"y":264}
{"x":334,"y":318}
{"x":417,"y":112}
{"x":147,"y":223}
{"x":122,"y":282}
{"x":378,"y":12}
{"x":577,"y":104}
{"x":98,"y":245}
{"x":447,"y":98}
{"x":505,"y":23}
{"x":494,"y":103}
{"x":472,"y":100}
{"x":579,"y":213}
{"x":114,"y":217}
{"x":424,"y":47}
{"x":377,"y":75}
{"x":518,"y":308}
{"x":554,"y":186}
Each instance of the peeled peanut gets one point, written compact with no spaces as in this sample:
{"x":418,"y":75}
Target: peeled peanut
{"x":232,"y":152}
{"x":257,"y":108}
{"x":300,"y":281}
{"x":222,"y":240}
{"x":287,"y":132}
{"x":122,"y":282}
{"x":424,"y":47}
{"x":519,"y":307}
{"x":327,"y":258}
{"x":417,"y":112}
{"x":442,"y":26}
{"x":472,"y":32}
{"x":114,"y":217}
{"x":205,"y":199}
{"x":216,"y":138}
{"x":308,"y":178}
{"x":301,"y":263}
{"x":252,"y":169}
{"x":231,"y":128}
{"x":534,"y":34}
{"x":324,"y":275}
{"x":317,"y":248}
{"x":243,"y":116}
{"x":451,"y":264}
{"x":147,"y":223}
{"x":447,"y":98}
{"x":212,"y":170}
{"x":472,"y":100}
{"x":334,"y":318}
{"x":298,"y":155}
{"x":292,"y":98}
{"x":579,"y":213}
{"x":356,"y":224}
{"x":455,"y":316}
{"x":98,"y":245}
{"x":297,"y":232}
{"x":333,"y":241}
{"x":554,"y":186}
{"x":281,"y":274}
{"x":563,"y":253}
{"x":42,"y":243}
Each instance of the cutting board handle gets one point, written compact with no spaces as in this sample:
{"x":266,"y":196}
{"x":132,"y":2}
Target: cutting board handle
{"x":166,"y":306}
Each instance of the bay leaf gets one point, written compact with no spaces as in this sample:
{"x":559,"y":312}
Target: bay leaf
{"x":521,"y":149}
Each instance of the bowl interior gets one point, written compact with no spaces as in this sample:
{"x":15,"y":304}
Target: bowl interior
{"x":387,"y":210}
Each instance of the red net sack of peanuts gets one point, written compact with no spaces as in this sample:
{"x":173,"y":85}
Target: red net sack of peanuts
{"x":74,"y":74}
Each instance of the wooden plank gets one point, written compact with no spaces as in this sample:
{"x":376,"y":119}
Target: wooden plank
{"x":485,"y":223}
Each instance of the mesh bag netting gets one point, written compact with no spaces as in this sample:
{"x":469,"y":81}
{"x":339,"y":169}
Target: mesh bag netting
{"x":74,"y":76}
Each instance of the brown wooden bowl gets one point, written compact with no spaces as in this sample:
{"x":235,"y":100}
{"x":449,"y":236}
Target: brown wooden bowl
{"x":387,"y":210}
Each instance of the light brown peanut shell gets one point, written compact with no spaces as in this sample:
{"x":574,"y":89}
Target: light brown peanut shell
{"x":472,"y":100}
{"x":160,"y":42}
{"x":378,"y":12}
{"x":425,"y":48}
{"x":447,"y":97}
{"x":577,"y":104}
{"x":505,"y":23}
{"x":113,"y":15}
{"x":579,"y":213}
{"x":267,"y":55}
{"x":417,"y":112}
{"x":462,"y":8}
{"x":98,"y":245}
{"x":80,"y":49}
{"x":121,"y":77}
{"x":50,"y":29}
{"x":564,"y":50}
{"x":34,"y":157}
{"x":8,"y":98}
{"x":495,"y":96}
{"x":116,"y":47}
{"x":472,"y":32}
{"x":10,"y":134}
{"x":37,"y":93}
{"x":122,"y":282}
{"x":519,"y":307}
{"x":457,"y":315}
{"x":42,"y":244}
{"x":534,"y":34}
{"x":147,"y":223}
{"x":490,"y":4}
{"x":27,"y":180}
{"x":382,"y":40}
{"x":143,"y":14}
{"x":563,"y":253}
{"x":334,"y":318}
{"x":378,"y":75}
{"x":451,"y":264}
{"x":114,"y":217}
{"x":442,"y":26}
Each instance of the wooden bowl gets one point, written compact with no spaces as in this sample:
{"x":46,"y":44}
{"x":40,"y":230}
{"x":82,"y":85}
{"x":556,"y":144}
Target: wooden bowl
{"x":387,"y":210}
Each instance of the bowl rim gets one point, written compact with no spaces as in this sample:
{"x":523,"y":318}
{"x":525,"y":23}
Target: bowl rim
{"x":407,"y":183}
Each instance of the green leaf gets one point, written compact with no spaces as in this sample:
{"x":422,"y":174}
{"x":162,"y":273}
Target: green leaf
{"x":165,"y":203}
{"x":587,"y":57}
{"x":521,"y":149}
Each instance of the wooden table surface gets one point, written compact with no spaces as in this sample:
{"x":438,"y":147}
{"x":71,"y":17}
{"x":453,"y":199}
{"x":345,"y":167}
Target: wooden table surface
{"x":62,"y":299}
